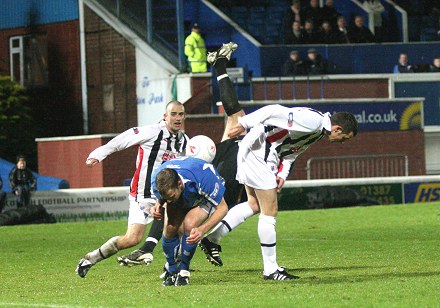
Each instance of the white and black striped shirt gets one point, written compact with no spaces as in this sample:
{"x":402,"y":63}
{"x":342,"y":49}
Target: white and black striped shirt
{"x":156,"y":145}
{"x":280,"y":134}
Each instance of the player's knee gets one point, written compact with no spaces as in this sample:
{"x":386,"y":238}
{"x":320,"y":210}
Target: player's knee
{"x":171,"y":230}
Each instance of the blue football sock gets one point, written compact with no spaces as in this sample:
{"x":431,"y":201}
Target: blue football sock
{"x":170,"y":248}
{"x":188,"y":251}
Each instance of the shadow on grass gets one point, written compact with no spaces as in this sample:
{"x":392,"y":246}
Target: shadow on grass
{"x":236,"y":275}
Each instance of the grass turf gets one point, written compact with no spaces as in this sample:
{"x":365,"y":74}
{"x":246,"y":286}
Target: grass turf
{"x":381,"y":256}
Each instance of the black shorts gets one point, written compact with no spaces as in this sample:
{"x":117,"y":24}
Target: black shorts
{"x":225,"y":161}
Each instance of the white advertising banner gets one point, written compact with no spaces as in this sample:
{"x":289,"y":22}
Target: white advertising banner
{"x":153,"y":89}
{"x":78,"y":201}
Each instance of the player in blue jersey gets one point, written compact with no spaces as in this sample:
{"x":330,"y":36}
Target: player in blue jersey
{"x":191,"y":190}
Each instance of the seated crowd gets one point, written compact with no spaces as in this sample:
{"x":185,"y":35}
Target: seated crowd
{"x":316,"y":25}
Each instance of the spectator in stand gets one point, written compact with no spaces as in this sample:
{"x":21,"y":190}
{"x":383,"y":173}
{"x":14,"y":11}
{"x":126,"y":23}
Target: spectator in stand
{"x":310,"y":34}
{"x":295,"y":34}
{"x":402,"y":66}
{"x":330,"y":13}
{"x":341,"y":32}
{"x":359,"y":33}
{"x":22,"y":182}
{"x":435,"y":66}
{"x":293,"y":13}
{"x":195,"y":50}
{"x":327,"y":35}
{"x":377,"y":8}
{"x":2,"y":196}
{"x":314,"y":13}
{"x":293,"y":66}
{"x":314,"y":65}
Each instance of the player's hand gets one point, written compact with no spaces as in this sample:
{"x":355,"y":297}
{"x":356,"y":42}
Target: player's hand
{"x":236,"y":130}
{"x":91,"y":162}
{"x":280,"y":183}
{"x":156,"y":212}
{"x":195,"y":236}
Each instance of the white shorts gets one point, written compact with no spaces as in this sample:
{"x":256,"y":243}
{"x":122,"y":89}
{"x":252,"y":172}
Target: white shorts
{"x":253,"y":171}
{"x":139,"y":212}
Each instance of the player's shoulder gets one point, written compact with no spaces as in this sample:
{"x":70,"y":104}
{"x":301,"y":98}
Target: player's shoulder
{"x":154,"y":128}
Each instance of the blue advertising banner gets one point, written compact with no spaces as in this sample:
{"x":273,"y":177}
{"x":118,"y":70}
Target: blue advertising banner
{"x":374,"y":115}
{"x":422,"y":192}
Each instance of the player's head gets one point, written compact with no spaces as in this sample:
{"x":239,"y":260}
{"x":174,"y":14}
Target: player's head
{"x":344,"y":127}
{"x":174,"y":116}
{"x":21,"y":161}
{"x":169,"y":185}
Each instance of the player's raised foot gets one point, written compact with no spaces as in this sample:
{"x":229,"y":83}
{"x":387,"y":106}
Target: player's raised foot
{"x":169,"y":279}
{"x":223,"y":52}
{"x":136,"y":257}
{"x":212,"y":251}
{"x":280,"y":274}
{"x":83,"y":267}
{"x":182,"y":278}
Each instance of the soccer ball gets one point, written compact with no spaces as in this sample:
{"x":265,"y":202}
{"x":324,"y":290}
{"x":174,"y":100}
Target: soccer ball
{"x":201,"y":147}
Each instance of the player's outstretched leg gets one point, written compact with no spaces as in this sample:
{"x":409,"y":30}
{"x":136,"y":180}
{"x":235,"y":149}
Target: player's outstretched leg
{"x":235,"y":217}
{"x":108,"y":249}
{"x":144,"y":255}
{"x":212,"y":251}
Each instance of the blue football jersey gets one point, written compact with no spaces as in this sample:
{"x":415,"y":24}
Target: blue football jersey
{"x":202,"y":182}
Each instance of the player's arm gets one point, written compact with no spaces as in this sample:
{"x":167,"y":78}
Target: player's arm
{"x":130,"y":137}
{"x":284,"y":169}
{"x":220,"y":212}
{"x":156,"y":210}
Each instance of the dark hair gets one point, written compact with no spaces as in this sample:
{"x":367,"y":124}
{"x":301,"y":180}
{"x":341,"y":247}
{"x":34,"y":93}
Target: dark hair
{"x":20,"y":157}
{"x":347,"y":121}
{"x":166,"y":179}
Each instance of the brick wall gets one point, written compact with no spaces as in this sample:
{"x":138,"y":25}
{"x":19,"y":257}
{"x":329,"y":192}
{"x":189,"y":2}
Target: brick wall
{"x":65,"y":158}
{"x":60,"y":101}
{"x":210,"y":125}
{"x":410,"y":143}
{"x":111,"y":77}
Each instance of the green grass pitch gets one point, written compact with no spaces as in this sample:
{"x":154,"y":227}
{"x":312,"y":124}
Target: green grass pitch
{"x":381,"y":256}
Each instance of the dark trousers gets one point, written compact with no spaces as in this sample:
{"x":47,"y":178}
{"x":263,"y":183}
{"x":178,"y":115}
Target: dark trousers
{"x":23,"y":195}
{"x":2,"y":200}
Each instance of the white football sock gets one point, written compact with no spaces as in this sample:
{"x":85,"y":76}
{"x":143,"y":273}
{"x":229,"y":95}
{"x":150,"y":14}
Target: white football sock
{"x":108,"y":249}
{"x":235,"y":217}
{"x":268,"y":240}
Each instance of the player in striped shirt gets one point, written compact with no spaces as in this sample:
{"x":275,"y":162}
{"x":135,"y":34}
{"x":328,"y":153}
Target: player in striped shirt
{"x":277,"y":135}
{"x":156,"y":143}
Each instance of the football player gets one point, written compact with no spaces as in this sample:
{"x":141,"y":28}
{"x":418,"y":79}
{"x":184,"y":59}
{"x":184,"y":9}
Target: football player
{"x":157,"y":143}
{"x":192,"y":192}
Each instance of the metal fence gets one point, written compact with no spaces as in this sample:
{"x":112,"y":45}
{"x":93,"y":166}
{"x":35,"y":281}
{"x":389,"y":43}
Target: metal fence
{"x":360,"y":166}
